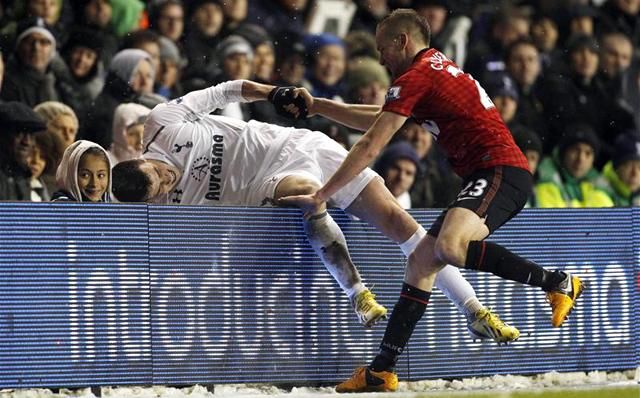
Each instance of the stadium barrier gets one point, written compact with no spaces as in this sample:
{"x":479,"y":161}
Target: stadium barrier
{"x":116,"y":294}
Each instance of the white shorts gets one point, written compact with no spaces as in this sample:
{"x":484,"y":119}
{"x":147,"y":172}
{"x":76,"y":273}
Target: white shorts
{"x":312,"y":155}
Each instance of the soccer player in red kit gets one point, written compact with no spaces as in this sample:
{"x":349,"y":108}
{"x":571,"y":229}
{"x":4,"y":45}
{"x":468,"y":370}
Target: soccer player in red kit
{"x":456,"y":110}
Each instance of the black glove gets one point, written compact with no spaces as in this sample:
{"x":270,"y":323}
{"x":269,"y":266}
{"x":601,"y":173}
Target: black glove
{"x":284,"y":102}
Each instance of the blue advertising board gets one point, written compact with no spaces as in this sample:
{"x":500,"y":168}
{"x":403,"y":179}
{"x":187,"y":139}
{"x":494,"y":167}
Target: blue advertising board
{"x":143,"y":294}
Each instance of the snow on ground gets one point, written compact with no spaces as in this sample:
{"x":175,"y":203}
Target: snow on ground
{"x":406,"y":389}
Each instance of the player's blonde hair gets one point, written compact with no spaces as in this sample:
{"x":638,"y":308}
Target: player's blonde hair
{"x":406,"y":20}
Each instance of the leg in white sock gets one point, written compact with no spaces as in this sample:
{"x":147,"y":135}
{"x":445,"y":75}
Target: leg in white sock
{"x":327,"y":239}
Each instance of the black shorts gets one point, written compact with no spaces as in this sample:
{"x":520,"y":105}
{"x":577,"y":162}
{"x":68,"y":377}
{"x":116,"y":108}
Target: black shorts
{"x":496,"y":194}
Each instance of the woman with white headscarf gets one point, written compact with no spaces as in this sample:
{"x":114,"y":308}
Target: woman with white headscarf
{"x":128,"y":126}
{"x":84,"y":175}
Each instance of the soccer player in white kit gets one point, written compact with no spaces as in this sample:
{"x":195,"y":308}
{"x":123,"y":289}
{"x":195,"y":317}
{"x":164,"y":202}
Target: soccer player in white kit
{"x":192,"y":157}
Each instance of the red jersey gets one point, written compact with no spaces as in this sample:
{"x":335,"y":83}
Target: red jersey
{"x":457,"y":111}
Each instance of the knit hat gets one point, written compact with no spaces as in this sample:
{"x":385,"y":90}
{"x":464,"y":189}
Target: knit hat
{"x":582,"y":41}
{"x":365,"y":71}
{"x":576,"y":133}
{"x":235,"y":44}
{"x":169,"y":51}
{"x":84,"y":37}
{"x":16,"y":117}
{"x":526,"y":139}
{"x":500,"y":84}
{"x":627,"y":147}
{"x":395,"y":151}
{"x":314,"y":43}
{"x":33,"y":25}
{"x":125,"y":63}
{"x":255,"y":34}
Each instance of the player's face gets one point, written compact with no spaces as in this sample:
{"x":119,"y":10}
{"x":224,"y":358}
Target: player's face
{"x":629,"y":173}
{"x":400,"y":176}
{"x":163,"y":177}
{"x":578,"y":159}
{"x":93,"y":176}
{"x":390,"y":55}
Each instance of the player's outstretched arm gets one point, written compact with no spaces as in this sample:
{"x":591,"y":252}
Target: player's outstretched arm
{"x":356,"y":116}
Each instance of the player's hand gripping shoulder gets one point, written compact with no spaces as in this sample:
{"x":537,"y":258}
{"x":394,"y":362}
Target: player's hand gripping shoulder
{"x":291,"y":102}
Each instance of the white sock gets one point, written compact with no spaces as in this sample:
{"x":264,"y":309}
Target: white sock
{"x":458,"y":290}
{"x":327,"y":240}
{"x":410,"y":244}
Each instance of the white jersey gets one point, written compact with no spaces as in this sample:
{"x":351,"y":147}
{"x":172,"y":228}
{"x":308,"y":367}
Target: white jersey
{"x":231,"y":162}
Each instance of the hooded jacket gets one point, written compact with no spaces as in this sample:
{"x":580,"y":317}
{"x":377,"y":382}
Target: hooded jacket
{"x":67,"y":173}
{"x":125,"y":116}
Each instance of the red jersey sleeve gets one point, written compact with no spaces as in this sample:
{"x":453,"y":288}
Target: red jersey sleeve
{"x":407,"y":91}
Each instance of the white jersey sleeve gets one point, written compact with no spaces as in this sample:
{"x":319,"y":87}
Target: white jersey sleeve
{"x":192,"y":107}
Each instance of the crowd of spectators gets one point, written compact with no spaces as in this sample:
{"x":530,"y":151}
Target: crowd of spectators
{"x":81,"y":75}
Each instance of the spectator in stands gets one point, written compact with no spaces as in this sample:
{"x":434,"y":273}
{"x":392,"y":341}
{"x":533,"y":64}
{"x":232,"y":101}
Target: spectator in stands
{"x":235,"y":14}
{"x":367,"y":82}
{"x":290,"y":59}
{"x":97,"y":15}
{"x":60,"y":119}
{"x":504,"y":94}
{"x":126,"y":16}
{"x":449,"y":33}
{"x":28,"y":78}
{"x":130,"y":78}
{"x":568,"y":178}
{"x":149,"y":42}
{"x":171,"y":65}
{"x":166,"y":17}
{"x":264,"y":57}
{"x":579,"y":98}
{"x":630,"y":93}
{"x":361,"y":43}
{"x":436,"y":184}
{"x":128,"y":125}
{"x":529,"y":143}
{"x":545,"y":33}
{"x":398,"y":165}
{"x":201,"y":44}
{"x":45,"y":157}
{"x":623,"y":172}
{"x":327,"y":65}
{"x":523,"y":65}
{"x":582,"y":20}
{"x":616,"y":54}
{"x":83,"y":55}
{"x":58,"y":16}
{"x":278,"y":15}
{"x":237,"y":64}
{"x":84,"y":175}
{"x":621,"y":16}
{"x":18,"y":124}
{"x":368,"y":14}
{"x":487,"y":56}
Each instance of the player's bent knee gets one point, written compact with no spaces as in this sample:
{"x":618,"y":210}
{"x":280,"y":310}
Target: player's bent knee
{"x":450,"y":251}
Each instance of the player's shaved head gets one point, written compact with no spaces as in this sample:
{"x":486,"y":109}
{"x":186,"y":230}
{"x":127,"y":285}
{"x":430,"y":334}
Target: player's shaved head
{"x":130,"y":183}
{"x":405,"y":20}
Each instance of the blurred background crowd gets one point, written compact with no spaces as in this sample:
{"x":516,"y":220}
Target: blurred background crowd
{"x":564,"y":75}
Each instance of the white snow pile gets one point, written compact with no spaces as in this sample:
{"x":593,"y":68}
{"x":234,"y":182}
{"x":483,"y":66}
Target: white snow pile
{"x":498,"y":382}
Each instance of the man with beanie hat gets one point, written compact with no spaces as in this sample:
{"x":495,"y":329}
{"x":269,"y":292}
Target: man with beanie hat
{"x":568,"y":178}
{"x":398,"y":166}
{"x":623,"y":171}
{"x":28,"y":78}
{"x":18,"y":124}
{"x":367,"y":82}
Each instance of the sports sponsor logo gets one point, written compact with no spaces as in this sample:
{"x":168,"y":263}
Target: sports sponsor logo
{"x":392,"y":94}
{"x":215,"y":182}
